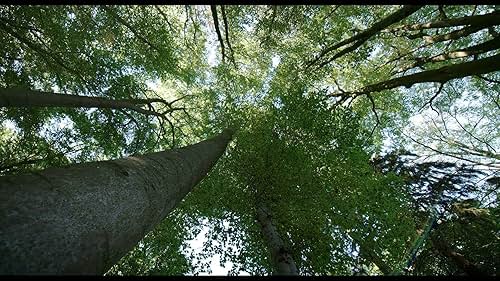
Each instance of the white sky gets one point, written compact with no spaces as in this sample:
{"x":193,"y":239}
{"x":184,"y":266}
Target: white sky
{"x":212,"y":48}
{"x":196,"y":247}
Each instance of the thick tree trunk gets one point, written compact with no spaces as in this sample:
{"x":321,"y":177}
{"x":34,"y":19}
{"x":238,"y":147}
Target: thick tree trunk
{"x":16,"y":97}
{"x":81,"y":219}
{"x":282,"y":260}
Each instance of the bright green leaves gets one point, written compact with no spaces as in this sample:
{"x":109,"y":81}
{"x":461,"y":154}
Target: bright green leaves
{"x":307,"y":163}
{"x":159,"y":253}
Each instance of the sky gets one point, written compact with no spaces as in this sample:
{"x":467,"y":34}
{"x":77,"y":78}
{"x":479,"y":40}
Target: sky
{"x":420,"y":120}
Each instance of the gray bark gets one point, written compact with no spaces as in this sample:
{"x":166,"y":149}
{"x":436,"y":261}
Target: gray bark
{"x":81,"y":219}
{"x":17,"y":97}
{"x":487,"y":19}
{"x":441,"y":75}
{"x":282,"y":260}
{"x":366,"y":34}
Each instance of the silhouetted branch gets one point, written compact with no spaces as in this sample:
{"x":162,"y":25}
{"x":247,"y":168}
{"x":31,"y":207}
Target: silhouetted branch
{"x":226,"y":27}
{"x":213,"y":8}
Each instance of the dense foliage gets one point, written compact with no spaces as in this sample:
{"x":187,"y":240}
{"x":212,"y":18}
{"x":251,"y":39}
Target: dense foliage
{"x":353,"y":166}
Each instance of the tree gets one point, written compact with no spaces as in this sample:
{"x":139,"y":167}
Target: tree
{"x":316,"y":92}
{"x":29,"y":98}
{"x":85,"y":217}
{"x":462,"y":226}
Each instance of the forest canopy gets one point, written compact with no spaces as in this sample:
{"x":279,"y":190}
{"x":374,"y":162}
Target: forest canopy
{"x":359,"y":140}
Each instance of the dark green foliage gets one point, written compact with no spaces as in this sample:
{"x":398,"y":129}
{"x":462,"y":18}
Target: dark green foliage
{"x":304,"y":146}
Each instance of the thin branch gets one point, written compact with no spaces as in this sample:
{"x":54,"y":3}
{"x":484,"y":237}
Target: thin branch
{"x":442,"y":14}
{"x":132,"y":119}
{"x":164,"y":18}
{"x":226,"y":28}
{"x":488,"y":79}
{"x":178,"y":99}
{"x":453,"y":155}
{"x":472,"y":135}
{"x":335,"y":8}
{"x":429,"y":102}
{"x":44,"y":53}
{"x":132,"y":29}
{"x":213,"y":8}
{"x":474,"y":10}
{"x":375,"y":112}
{"x":270,"y":26}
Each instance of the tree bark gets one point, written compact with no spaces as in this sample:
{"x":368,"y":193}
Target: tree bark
{"x":440,"y":75}
{"x":367,"y":34}
{"x":81,"y":219}
{"x":17,"y":97}
{"x":281,"y":258}
{"x":487,"y":19}
{"x":213,"y":9}
{"x":487,"y":46}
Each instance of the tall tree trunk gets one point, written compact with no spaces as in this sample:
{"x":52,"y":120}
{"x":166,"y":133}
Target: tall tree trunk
{"x":81,"y":219}
{"x":16,"y":97}
{"x":282,"y":260}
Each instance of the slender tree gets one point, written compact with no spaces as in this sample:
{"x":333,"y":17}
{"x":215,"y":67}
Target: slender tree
{"x":16,"y":97}
{"x":81,"y":219}
{"x":282,"y":260}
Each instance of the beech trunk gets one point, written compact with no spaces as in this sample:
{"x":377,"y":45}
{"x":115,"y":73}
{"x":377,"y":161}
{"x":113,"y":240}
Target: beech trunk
{"x":282,"y":260}
{"x":81,"y":219}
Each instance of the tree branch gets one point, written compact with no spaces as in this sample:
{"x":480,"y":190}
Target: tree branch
{"x":453,"y":155}
{"x":14,"y":97}
{"x":368,"y":33}
{"x":374,"y":112}
{"x":452,"y":35}
{"x":441,"y":75}
{"x":164,"y":16}
{"x":135,"y":32}
{"x":429,"y":102}
{"x":484,"y":47}
{"x":44,"y":53}
{"x":213,"y":8}
{"x":487,"y":19}
{"x":226,"y":27}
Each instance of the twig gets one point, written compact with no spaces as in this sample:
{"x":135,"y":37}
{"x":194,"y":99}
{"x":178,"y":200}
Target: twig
{"x":429,"y":102}
{"x":375,"y":112}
